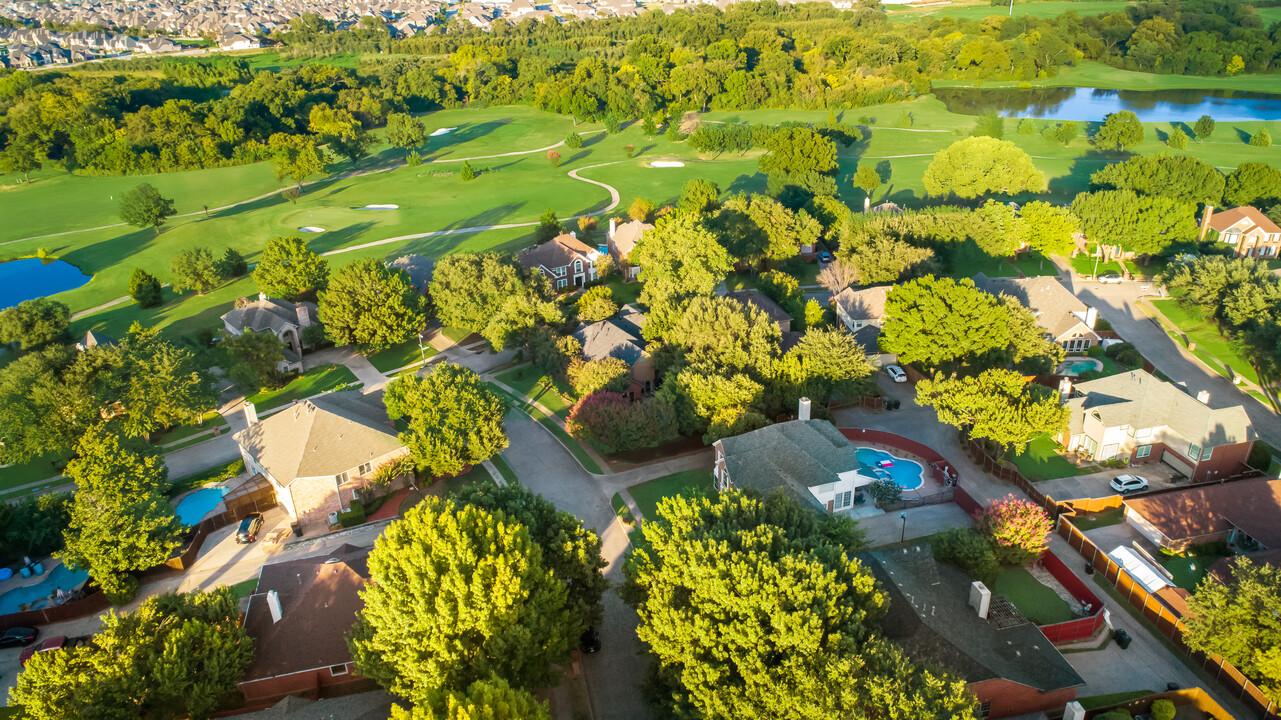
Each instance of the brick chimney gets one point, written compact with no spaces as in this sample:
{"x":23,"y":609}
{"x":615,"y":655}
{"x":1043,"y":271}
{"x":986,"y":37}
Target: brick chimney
{"x":304,"y":315}
{"x":1205,"y":222}
{"x":613,"y":226}
{"x":262,"y":296}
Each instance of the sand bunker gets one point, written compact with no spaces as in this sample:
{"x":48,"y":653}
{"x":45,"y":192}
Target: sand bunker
{"x":381,"y":207}
{"x":667,"y":163}
{"x":311,"y":229}
{"x":442,"y":131}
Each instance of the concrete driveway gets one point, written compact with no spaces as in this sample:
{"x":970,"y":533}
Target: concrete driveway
{"x":1095,"y":485}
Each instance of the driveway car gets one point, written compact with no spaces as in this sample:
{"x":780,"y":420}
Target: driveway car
{"x":1128,"y":484}
{"x":53,"y":643}
{"x":896,"y":373}
{"x":13,"y":637}
{"x":249,"y":527}
{"x":825,"y":256}
{"x":1111,"y":278}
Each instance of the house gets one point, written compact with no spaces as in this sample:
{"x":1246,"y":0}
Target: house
{"x":281,"y":318}
{"x":418,"y":268}
{"x":1136,"y":417}
{"x":621,"y":240}
{"x":1243,"y":513}
{"x":1008,"y":662}
{"x":1065,"y":319}
{"x":620,"y":337}
{"x":564,"y":261}
{"x":320,"y":453}
{"x":298,"y":619}
{"x":862,"y":312}
{"x":236,"y":41}
{"x":1248,"y":231}
{"x":758,"y":300}
{"x":92,"y":339}
{"x":810,"y":460}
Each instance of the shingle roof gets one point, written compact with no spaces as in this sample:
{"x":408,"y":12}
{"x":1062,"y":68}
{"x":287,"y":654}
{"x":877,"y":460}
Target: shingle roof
{"x":1223,"y":220}
{"x":267,"y":314}
{"x":1252,"y":505}
{"x":418,"y":268}
{"x":617,"y":337}
{"x":323,"y":436}
{"x":791,"y":457}
{"x":557,"y":252}
{"x":762,"y":303}
{"x":930,"y":618}
{"x":1057,"y":310}
{"x":628,"y":234}
{"x":865,"y":304}
{"x":1141,"y":401}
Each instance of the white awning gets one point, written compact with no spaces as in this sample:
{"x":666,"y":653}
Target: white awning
{"x":1141,"y":570}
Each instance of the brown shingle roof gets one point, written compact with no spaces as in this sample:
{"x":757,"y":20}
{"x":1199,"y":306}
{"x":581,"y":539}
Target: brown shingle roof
{"x":1251,"y":505}
{"x":557,"y":252}
{"x":626,"y":235}
{"x":761,"y":302}
{"x":865,"y":304}
{"x":1223,"y":220}
{"x":1057,"y":310}
{"x":267,"y":314}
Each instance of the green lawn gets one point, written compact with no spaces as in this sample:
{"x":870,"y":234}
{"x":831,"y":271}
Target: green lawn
{"x":1041,"y":461}
{"x":398,"y":356}
{"x":244,"y":589}
{"x":505,"y":470}
{"x":1188,"y":569}
{"x":215,"y":474}
{"x":625,"y":293}
{"x":1090,"y":521}
{"x":32,"y":471}
{"x":210,"y":420}
{"x":456,"y":334}
{"x":528,"y":381}
{"x":1212,"y":348}
{"x":966,"y":260}
{"x":1085,"y":265}
{"x":1037,"y":602}
{"x":647,"y":494}
{"x":312,"y":382}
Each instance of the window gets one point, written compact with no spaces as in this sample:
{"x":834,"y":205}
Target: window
{"x":560,"y":284}
{"x":1129,"y":430}
{"x":1205,"y":455}
{"x":1194,"y":452}
{"x":364,"y":469}
{"x":1143,"y":451}
{"x":560,"y":271}
{"x":1109,"y":452}
{"x":578,"y":266}
{"x":848,"y":498}
{"x":985,"y":709}
{"x":342,"y":478}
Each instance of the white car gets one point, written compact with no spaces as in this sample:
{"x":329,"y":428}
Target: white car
{"x":896,"y":373}
{"x":1111,"y":278}
{"x":1128,"y":484}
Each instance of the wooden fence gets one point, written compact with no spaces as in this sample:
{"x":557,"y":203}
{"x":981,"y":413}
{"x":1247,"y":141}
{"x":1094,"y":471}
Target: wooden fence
{"x":1080,"y":628}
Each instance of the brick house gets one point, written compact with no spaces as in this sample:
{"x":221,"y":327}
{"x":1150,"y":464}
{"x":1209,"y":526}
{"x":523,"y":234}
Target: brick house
{"x":320,"y":453}
{"x":620,"y":337}
{"x":1065,"y":319}
{"x":1248,"y":231}
{"x":564,"y":260}
{"x":282,"y":318}
{"x":621,"y":240}
{"x":1136,"y":417}
{"x":1243,"y":513}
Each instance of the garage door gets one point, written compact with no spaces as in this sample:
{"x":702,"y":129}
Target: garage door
{"x":1176,"y":462}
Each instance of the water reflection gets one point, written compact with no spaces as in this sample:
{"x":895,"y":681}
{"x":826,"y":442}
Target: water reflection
{"x":1092,"y":104}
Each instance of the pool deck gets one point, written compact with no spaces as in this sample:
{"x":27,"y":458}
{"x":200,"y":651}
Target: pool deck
{"x":928,"y":487}
{"x":17,"y":581}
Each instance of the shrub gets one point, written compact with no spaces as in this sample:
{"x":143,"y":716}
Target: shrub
{"x":611,"y":374}
{"x":1117,"y":714}
{"x":612,"y":124}
{"x":574,"y":141}
{"x":1018,"y":529}
{"x":1177,"y":139}
{"x":885,"y":492}
{"x":619,"y":424}
{"x":355,"y":515}
{"x":905,"y":120}
{"x":144,"y":288}
{"x":413,"y":159}
{"x":554,"y":158}
{"x":674,"y":133}
{"x":629,"y":149}
{"x":1262,"y":138}
{"x":468,"y":172}
{"x":1126,"y":354}
{"x":1162,"y":709}
{"x":969,"y":551}
{"x":596,"y":304}
{"x":1027,"y":127}
{"x":1095,"y":351}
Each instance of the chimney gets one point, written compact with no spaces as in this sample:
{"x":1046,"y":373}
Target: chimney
{"x":262,"y":296}
{"x":573,"y":234}
{"x":803,"y":412}
{"x":1203,"y":397}
{"x":1205,"y":222}
{"x":867,"y":204}
{"x":1091,"y":317}
{"x":1074,"y":711}
{"x":273,"y":604}
{"x":251,"y":413}
{"x":1065,"y":388}
{"x":304,"y":316}
{"x":980,"y":598}
{"x":613,"y":226}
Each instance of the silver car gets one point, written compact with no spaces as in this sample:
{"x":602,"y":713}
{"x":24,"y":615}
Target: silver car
{"x":1128,"y":483}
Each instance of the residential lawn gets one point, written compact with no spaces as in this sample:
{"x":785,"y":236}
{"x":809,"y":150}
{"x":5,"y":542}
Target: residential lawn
{"x":1041,"y":461}
{"x":33,"y":471}
{"x":1155,"y":267}
{"x":1084,"y":265}
{"x":1037,"y":602}
{"x":1091,"y":521}
{"x":215,"y":474}
{"x":967,"y":260}
{"x":456,"y":334}
{"x":210,"y":420}
{"x":244,"y":589}
{"x":1212,"y":348}
{"x":528,"y":381}
{"x":625,"y":293}
{"x":398,"y":356}
{"x":312,"y":382}
{"x":1189,"y":568}
{"x":686,"y":482}
{"x":505,"y":470}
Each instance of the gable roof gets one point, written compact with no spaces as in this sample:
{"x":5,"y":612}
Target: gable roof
{"x":628,"y":234}
{"x":1223,"y":220}
{"x":319,"y":600}
{"x":323,"y":436}
{"x":864,"y":304}
{"x":92,"y":339}
{"x":1252,"y":505}
{"x":1142,"y":401}
{"x":418,"y":268}
{"x":617,"y":337}
{"x":557,"y":252}
{"x":266,"y":314}
{"x":790,"y":457}
{"x":1057,"y":310}
{"x":761,"y":302}
{"x":930,"y":618}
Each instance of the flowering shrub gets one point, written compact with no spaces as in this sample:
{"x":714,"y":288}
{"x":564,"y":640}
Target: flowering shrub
{"x":619,"y":424}
{"x":1019,"y":529}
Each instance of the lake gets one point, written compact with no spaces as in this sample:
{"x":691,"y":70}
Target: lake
{"x":32,"y":278}
{"x":1092,"y":104}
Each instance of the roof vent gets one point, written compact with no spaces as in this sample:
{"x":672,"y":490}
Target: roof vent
{"x":273,"y":604}
{"x":331,"y":561}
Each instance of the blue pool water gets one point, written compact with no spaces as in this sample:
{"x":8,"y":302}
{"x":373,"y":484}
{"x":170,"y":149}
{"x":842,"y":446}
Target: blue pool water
{"x":32,"y":278}
{"x":197,"y":505}
{"x":908,"y":474}
{"x":1077,"y":368}
{"x":36,"y":595}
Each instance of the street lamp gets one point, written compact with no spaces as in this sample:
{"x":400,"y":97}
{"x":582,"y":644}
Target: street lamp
{"x":903,"y":517}
{"x":421,"y":349}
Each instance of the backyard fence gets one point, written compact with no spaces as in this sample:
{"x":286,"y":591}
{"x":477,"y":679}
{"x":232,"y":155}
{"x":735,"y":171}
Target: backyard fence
{"x":1080,"y":628}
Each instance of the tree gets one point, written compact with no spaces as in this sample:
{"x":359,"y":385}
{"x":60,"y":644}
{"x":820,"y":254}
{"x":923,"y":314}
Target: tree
{"x":797,"y":151}
{"x":1252,"y":183}
{"x":1261,"y":138}
{"x":121,"y":520}
{"x":554,"y":158}
{"x":1174,"y":176}
{"x":980,"y":166}
{"x":1121,"y":131}
{"x":1142,"y":223}
{"x":608,"y":374}
{"x":838,"y":275}
{"x":699,"y":196}
{"x":867,"y":179}
{"x":1018,"y":529}
{"x":34,"y":526}
{"x":179,"y":655}
{"x":755,"y":608}
{"x":596,"y":304}
{"x":998,"y":404}
{"x":297,"y":157}
{"x":34,"y":323}
{"x":1027,"y":127}
{"x":491,"y":294}
{"x":194,"y":269}
{"x":641,"y":209}
{"x":405,"y":132}
{"x":755,"y":228}
{"x":467,"y":173}
{"x":484,"y":700}
{"x":940,"y":320}
{"x":20,"y":157}
{"x":1048,"y":229}
{"x":570,"y":551}
{"x":160,"y":384}
{"x":143,"y":207}
{"x":370,"y":304}
{"x":574,"y":141}
{"x":617,"y":423}
{"x":548,"y":228}
{"x":453,"y":419}
{"x":827,"y":364}
{"x":438,"y":559}
{"x":1240,"y":620}
{"x":883,"y":258}
{"x":255,"y":357}
{"x":681,"y":260}
{"x":289,"y":269}
{"x":341,"y":131}
{"x":1177,"y":139}
{"x":1204,"y":127}
{"x":232,"y":264}
{"x":989,"y":125}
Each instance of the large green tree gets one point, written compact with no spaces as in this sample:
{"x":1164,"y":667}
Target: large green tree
{"x":296,"y":157}
{"x":1144,"y":224}
{"x":179,"y":655}
{"x":454,"y":419}
{"x":979,"y":166}
{"x":1047,"y":228}
{"x":194,"y":269}
{"x":796,"y":151}
{"x":757,"y":609}
{"x":491,"y":294}
{"x":21,"y":157}
{"x":1240,"y":620}
{"x":372,"y":305}
{"x":1180,"y":177}
{"x":121,"y":520}
{"x":483,"y":700}
{"x":405,"y":131}
{"x":457,"y":595}
{"x":827,"y":364}
{"x":34,"y":323}
{"x":144,"y":207}
{"x":289,"y":269}
{"x":1000,"y":405}
{"x":145,"y":288}
{"x":1120,"y":131}
{"x":163,"y":384}
{"x":682,"y":259}
{"x":939,"y":320}
{"x":1252,"y":183}
{"x":757,"y":227}
{"x":254,"y":359}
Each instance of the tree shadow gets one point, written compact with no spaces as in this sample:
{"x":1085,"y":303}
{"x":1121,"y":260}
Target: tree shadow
{"x":594,"y":138}
{"x":1161,"y":136}
{"x":1242,"y":135}
{"x":745,"y":183}
{"x":119,"y":248}
{"x":464,"y":133}
{"x":492,"y":216}
{"x":334,"y":239}
{"x":580,"y":155}
{"x":885,"y":170}
{"x":1077,"y":179}
{"x":643,"y":150}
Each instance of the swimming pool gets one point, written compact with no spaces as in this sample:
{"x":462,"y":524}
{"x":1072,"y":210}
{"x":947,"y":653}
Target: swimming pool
{"x":907,"y":473}
{"x":37,"y":596}
{"x":1076,"y":367}
{"x":194,"y":507}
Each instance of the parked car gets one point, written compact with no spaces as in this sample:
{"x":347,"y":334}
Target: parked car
{"x":1111,"y":278}
{"x":589,"y":641}
{"x":249,"y":527}
{"x":13,"y":637}
{"x":825,"y":256}
{"x":896,"y":373}
{"x":1128,"y":484}
{"x":53,"y":643}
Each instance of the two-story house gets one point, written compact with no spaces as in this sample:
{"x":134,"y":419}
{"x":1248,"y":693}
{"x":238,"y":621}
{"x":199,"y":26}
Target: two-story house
{"x":1248,"y":231}
{"x":281,"y":318}
{"x":564,"y":260}
{"x":620,"y":337}
{"x":862,"y":312}
{"x":621,"y":240}
{"x":1065,"y":319}
{"x":1138,"y":418}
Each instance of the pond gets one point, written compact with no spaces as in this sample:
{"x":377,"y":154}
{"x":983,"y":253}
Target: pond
{"x":32,"y":278}
{"x":1092,"y":104}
